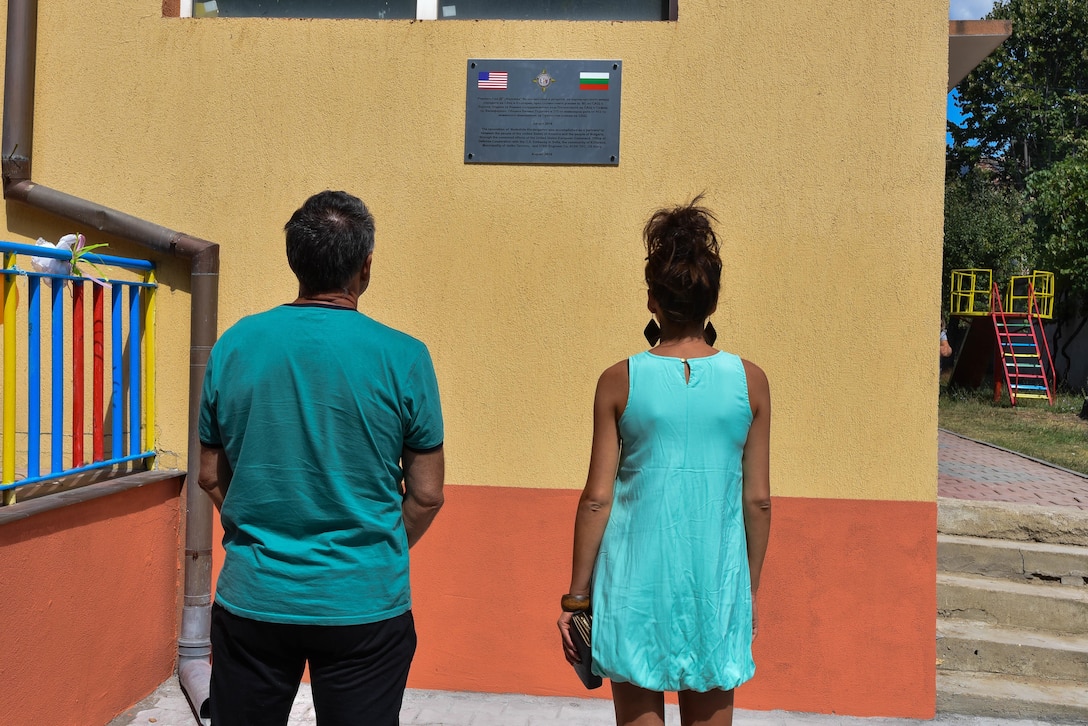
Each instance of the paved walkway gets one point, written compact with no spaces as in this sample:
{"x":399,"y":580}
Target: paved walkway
{"x":967,"y":469}
{"x":168,"y":707}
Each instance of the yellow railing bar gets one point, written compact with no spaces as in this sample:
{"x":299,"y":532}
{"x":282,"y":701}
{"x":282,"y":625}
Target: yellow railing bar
{"x":7,"y":469}
{"x":149,"y":367}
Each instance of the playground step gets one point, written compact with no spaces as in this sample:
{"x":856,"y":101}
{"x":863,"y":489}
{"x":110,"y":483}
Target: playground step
{"x":964,"y":645}
{"x":1048,"y":607}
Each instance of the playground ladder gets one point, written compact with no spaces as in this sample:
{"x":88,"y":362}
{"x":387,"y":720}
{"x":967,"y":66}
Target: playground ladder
{"x":1019,"y":354}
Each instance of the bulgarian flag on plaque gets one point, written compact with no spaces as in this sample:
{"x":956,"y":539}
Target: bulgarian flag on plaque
{"x":593,"y":81}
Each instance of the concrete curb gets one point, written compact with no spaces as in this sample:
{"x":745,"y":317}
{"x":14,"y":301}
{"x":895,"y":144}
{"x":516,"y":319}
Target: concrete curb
{"x":1012,"y":521}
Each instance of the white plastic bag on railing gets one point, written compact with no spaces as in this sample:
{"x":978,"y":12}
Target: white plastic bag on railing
{"x":50,"y":266}
{"x":77,"y":245}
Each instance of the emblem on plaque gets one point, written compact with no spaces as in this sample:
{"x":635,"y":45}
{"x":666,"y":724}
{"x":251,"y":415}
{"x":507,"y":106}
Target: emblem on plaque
{"x":543,"y":79}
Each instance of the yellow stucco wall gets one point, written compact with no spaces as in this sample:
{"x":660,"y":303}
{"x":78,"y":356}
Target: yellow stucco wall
{"x":815,"y":129}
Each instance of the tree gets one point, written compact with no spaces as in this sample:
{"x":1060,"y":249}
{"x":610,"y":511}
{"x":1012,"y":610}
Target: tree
{"x":985,"y":226}
{"x":1059,"y":201}
{"x":1026,"y":116}
{"x":1026,"y":108}
{"x":1027,"y":103}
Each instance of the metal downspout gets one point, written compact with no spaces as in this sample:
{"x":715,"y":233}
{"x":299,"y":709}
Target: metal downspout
{"x":194,"y":642}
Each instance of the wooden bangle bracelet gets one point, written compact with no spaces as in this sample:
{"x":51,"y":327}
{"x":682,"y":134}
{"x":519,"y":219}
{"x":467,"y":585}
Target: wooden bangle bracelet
{"x":574,"y":603}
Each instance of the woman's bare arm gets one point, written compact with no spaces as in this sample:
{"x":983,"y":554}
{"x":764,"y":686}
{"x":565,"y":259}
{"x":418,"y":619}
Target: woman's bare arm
{"x":757,"y":473}
{"x":595,"y":503}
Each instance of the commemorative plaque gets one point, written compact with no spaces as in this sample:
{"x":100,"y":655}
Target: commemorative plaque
{"x":543,"y":111}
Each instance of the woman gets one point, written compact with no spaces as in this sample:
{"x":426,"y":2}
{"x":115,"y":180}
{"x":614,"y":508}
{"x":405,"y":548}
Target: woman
{"x":673,"y":523}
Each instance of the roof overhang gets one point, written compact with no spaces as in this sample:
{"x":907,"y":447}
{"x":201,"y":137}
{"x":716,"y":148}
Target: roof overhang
{"x":969,"y":42}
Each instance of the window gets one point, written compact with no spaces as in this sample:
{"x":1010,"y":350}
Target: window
{"x":437,"y":9}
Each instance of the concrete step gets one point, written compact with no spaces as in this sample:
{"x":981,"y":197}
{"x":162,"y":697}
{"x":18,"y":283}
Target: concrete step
{"x":1020,"y":522}
{"x":1067,"y":564}
{"x":986,"y":694}
{"x":964,"y":645}
{"x":1051,"y":608}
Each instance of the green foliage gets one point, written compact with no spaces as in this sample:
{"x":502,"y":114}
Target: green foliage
{"x":1027,"y":103}
{"x":1059,"y":201}
{"x":1026,"y":117}
{"x":985,"y":226}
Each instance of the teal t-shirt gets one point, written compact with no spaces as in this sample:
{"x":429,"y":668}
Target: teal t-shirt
{"x":313,"y":406}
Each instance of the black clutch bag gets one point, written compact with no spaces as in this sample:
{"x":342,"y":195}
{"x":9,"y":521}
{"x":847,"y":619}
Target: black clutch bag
{"x":581,"y":626}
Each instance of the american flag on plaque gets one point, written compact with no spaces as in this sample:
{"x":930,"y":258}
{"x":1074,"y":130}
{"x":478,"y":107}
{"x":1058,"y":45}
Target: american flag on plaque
{"x":491,"y":81}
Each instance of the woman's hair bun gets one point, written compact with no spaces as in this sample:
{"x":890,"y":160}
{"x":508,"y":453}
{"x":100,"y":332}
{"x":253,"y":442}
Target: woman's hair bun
{"x":683,"y":264}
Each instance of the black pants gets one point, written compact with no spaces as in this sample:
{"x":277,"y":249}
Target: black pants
{"x":357,"y":672}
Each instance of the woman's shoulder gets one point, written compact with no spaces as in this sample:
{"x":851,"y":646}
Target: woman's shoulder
{"x":615,"y":374}
{"x":613,"y":384}
{"x":759,"y":387}
{"x":752,"y":370}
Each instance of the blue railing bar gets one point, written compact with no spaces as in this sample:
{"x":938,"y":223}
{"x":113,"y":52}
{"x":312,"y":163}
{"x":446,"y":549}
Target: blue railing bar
{"x":74,"y":278}
{"x":78,"y":470}
{"x":57,"y":383}
{"x":34,"y":378}
{"x":134,"y":362}
{"x":117,"y":345}
{"x":55,"y":254}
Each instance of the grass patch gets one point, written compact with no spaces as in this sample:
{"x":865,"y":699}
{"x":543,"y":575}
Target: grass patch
{"x":1050,"y":433}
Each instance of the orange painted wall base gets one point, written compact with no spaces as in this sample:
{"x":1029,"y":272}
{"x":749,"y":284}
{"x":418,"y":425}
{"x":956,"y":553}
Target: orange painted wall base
{"x":90,"y":603}
{"x":847,"y":604}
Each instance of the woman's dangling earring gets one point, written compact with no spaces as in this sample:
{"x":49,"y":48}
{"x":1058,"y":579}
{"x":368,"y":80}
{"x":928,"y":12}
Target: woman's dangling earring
{"x":652,"y":332}
{"x":709,"y":333}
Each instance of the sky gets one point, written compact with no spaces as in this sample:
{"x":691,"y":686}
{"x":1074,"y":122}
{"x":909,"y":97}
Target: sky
{"x":964,"y":10}
{"x":969,"y":9}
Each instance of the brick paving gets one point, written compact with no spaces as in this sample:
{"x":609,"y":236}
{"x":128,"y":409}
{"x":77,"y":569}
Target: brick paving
{"x":968,"y":469}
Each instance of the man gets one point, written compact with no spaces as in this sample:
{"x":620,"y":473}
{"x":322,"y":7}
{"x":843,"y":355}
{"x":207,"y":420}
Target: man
{"x":321,"y":444}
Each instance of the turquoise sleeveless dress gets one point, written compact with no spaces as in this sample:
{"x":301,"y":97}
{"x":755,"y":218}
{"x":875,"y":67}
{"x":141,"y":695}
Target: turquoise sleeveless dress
{"x":672,"y":599}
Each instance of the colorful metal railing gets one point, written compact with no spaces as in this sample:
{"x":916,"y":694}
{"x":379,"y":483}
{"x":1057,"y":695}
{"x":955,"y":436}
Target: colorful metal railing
{"x":130,"y":398}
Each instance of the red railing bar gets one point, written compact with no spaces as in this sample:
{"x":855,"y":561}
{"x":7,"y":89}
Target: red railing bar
{"x":97,"y":399}
{"x":77,"y":374}
{"x":1034,"y":308}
